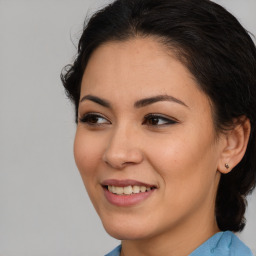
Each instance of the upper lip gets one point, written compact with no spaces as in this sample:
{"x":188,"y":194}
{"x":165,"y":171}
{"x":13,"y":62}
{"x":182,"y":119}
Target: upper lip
{"x":124,"y":183}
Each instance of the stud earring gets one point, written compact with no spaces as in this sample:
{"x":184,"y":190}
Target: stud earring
{"x":227,"y":166}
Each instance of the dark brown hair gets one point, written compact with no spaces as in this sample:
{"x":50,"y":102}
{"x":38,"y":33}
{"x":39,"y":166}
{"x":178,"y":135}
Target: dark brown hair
{"x":215,"y":48}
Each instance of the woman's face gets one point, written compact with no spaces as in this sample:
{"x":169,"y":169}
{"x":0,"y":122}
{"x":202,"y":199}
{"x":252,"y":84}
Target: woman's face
{"x":145,"y":144}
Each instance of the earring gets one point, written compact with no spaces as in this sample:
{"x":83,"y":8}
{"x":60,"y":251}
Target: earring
{"x":227,"y":166}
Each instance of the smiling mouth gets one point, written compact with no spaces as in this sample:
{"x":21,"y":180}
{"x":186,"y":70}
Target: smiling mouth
{"x":128,"y":190}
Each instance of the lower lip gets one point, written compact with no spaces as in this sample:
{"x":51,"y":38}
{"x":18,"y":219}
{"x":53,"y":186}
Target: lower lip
{"x":127,"y":200}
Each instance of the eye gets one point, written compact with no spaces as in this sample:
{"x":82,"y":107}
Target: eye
{"x":94,"y":119}
{"x":158,"y":120}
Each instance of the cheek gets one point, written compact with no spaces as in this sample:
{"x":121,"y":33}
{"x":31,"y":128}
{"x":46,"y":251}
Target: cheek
{"x":187,"y":164}
{"x":87,"y":153}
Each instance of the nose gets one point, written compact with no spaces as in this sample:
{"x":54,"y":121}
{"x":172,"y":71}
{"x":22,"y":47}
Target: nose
{"x":123,"y":149}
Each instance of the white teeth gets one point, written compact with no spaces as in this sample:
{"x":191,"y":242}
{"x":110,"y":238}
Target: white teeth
{"x":136,"y":189}
{"x":128,"y":190}
{"x":119,"y":190}
{"x":143,"y":189}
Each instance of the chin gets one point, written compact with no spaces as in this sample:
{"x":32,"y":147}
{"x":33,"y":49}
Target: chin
{"x":126,"y":234}
{"x":125,"y":230}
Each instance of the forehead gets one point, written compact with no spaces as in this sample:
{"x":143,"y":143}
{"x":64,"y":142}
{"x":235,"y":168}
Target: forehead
{"x":139,"y":67}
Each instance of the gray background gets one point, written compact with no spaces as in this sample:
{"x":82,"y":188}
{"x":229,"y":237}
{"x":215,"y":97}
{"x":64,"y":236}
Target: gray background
{"x":44,"y":209}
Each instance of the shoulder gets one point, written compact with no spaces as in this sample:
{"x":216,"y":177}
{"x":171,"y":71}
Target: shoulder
{"x":237,"y":247}
{"x":223,"y":244}
{"x":115,"y":252}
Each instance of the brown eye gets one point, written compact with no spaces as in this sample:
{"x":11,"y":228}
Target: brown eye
{"x":157,"y":120}
{"x":153,"y":121}
{"x":94,"y":119}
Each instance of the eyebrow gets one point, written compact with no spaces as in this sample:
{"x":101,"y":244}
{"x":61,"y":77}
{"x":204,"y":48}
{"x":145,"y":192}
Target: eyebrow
{"x":138,"y":104}
{"x":154,"y":99}
{"x":96,"y":99}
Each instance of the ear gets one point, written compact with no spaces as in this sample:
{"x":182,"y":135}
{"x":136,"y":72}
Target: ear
{"x":235,"y":144}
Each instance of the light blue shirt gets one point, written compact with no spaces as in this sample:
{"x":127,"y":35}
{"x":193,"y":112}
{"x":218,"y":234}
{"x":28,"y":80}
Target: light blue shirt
{"x":221,"y":244}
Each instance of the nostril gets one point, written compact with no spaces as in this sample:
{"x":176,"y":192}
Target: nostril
{"x":127,"y":163}
{"x":119,"y":153}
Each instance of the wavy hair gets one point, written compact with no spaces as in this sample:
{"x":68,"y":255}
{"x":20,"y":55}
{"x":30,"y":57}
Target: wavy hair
{"x":219,"y":53}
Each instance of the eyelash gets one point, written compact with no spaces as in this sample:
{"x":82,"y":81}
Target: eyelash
{"x":149,"y":120}
{"x":94,"y":118}
{"x":157,"y":117}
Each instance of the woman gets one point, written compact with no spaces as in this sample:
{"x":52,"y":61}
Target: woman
{"x":165,"y":99}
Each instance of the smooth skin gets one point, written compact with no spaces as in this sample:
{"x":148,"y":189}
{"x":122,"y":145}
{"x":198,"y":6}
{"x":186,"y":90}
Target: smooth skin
{"x":177,"y":149}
